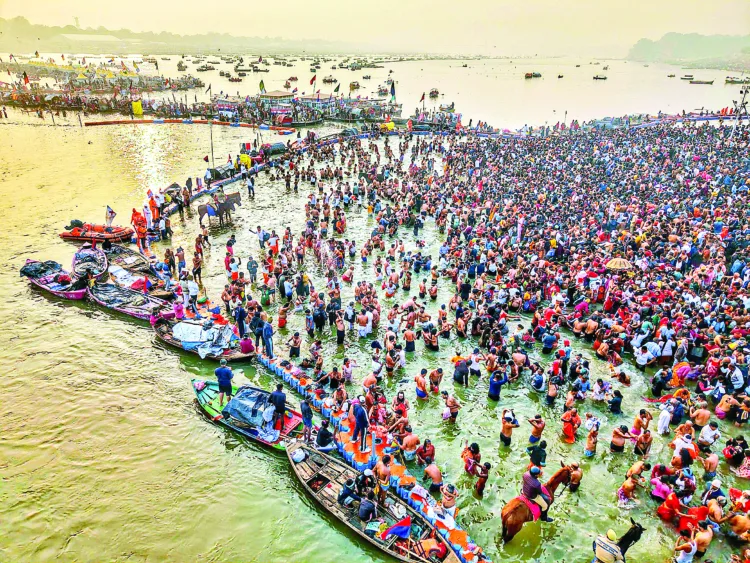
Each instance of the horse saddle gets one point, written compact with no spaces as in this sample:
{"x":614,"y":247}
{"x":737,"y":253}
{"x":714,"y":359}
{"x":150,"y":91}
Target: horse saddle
{"x":534,"y":508}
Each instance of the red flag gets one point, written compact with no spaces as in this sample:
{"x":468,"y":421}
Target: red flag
{"x":25,"y":78}
{"x":422,"y":98}
{"x":205,"y":158}
{"x":313,"y":79}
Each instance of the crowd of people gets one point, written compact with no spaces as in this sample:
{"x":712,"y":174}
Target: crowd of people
{"x":632,"y":242}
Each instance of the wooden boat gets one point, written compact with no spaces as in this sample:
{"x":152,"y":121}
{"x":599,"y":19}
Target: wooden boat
{"x":235,"y":79}
{"x":559,"y":75}
{"x":354,"y":85}
{"x":292,"y":79}
{"x":701,"y":82}
{"x":127,"y":258}
{"x":97,"y":233}
{"x":323,"y":477}
{"x":244,"y":413}
{"x":687,"y":77}
{"x":329,"y":80}
{"x":138,"y":280}
{"x":164,"y":331}
{"x":434,"y":93}
{"x":670,"y":75}
{"x":129,"y":302}
{"x":600,"y":77}
{"x":51,"y":277}
{"x":735,"y":80}
{"x":90,"y":260}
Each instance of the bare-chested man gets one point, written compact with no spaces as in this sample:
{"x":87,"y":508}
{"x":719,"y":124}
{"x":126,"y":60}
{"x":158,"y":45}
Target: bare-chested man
{"x":382,"y":471}
{"x":432,"y":472}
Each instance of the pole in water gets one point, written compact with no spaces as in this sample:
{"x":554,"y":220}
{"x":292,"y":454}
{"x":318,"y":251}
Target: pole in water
{"x":211,"y":129}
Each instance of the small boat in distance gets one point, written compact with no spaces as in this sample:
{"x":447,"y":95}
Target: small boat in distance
{"x":559,"y":75}
{"x":735,"y":80}
{"x":600,"y":77}
{"x":434,"y":93}
{"x":701,"y":82}
{"x":670,"y":75}
{"x":687,"y":77}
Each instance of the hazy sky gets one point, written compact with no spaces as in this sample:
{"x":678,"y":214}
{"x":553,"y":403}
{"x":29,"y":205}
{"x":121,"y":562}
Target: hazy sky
{"x":606,"y":27}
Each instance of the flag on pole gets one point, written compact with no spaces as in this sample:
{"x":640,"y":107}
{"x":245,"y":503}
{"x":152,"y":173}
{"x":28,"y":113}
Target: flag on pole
{"x":262,"y":87}
{"x":393,"y":90}
{"x":313,"y":79}
{"x":337,"y":87}
{"x":208,"y":89}
{"x":402,"y":529}
{"x":422,"y":98}
{"x":205,"y":158}
{"x":135,"y":66}
{"x":25,"y":78}
{"x":294,"y":91}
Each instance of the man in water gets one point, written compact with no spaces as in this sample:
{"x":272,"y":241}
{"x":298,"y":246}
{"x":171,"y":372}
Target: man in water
{"x":433,"y":474}
{"x":532,"y":490}
{"x":508,"y":424}
{"x":537,"y":427}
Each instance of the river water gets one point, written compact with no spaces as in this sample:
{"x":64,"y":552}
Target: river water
{"x":103,"y":454}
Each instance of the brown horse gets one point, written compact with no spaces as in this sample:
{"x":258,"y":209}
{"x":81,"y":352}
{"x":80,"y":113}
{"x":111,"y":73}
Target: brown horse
{"x":515,"y":514}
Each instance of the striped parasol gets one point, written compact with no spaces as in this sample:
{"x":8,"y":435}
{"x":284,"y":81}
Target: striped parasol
{"x":619,"y":264}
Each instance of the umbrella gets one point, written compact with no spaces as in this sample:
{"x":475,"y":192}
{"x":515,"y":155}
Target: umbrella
{"x":619,"y":264}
